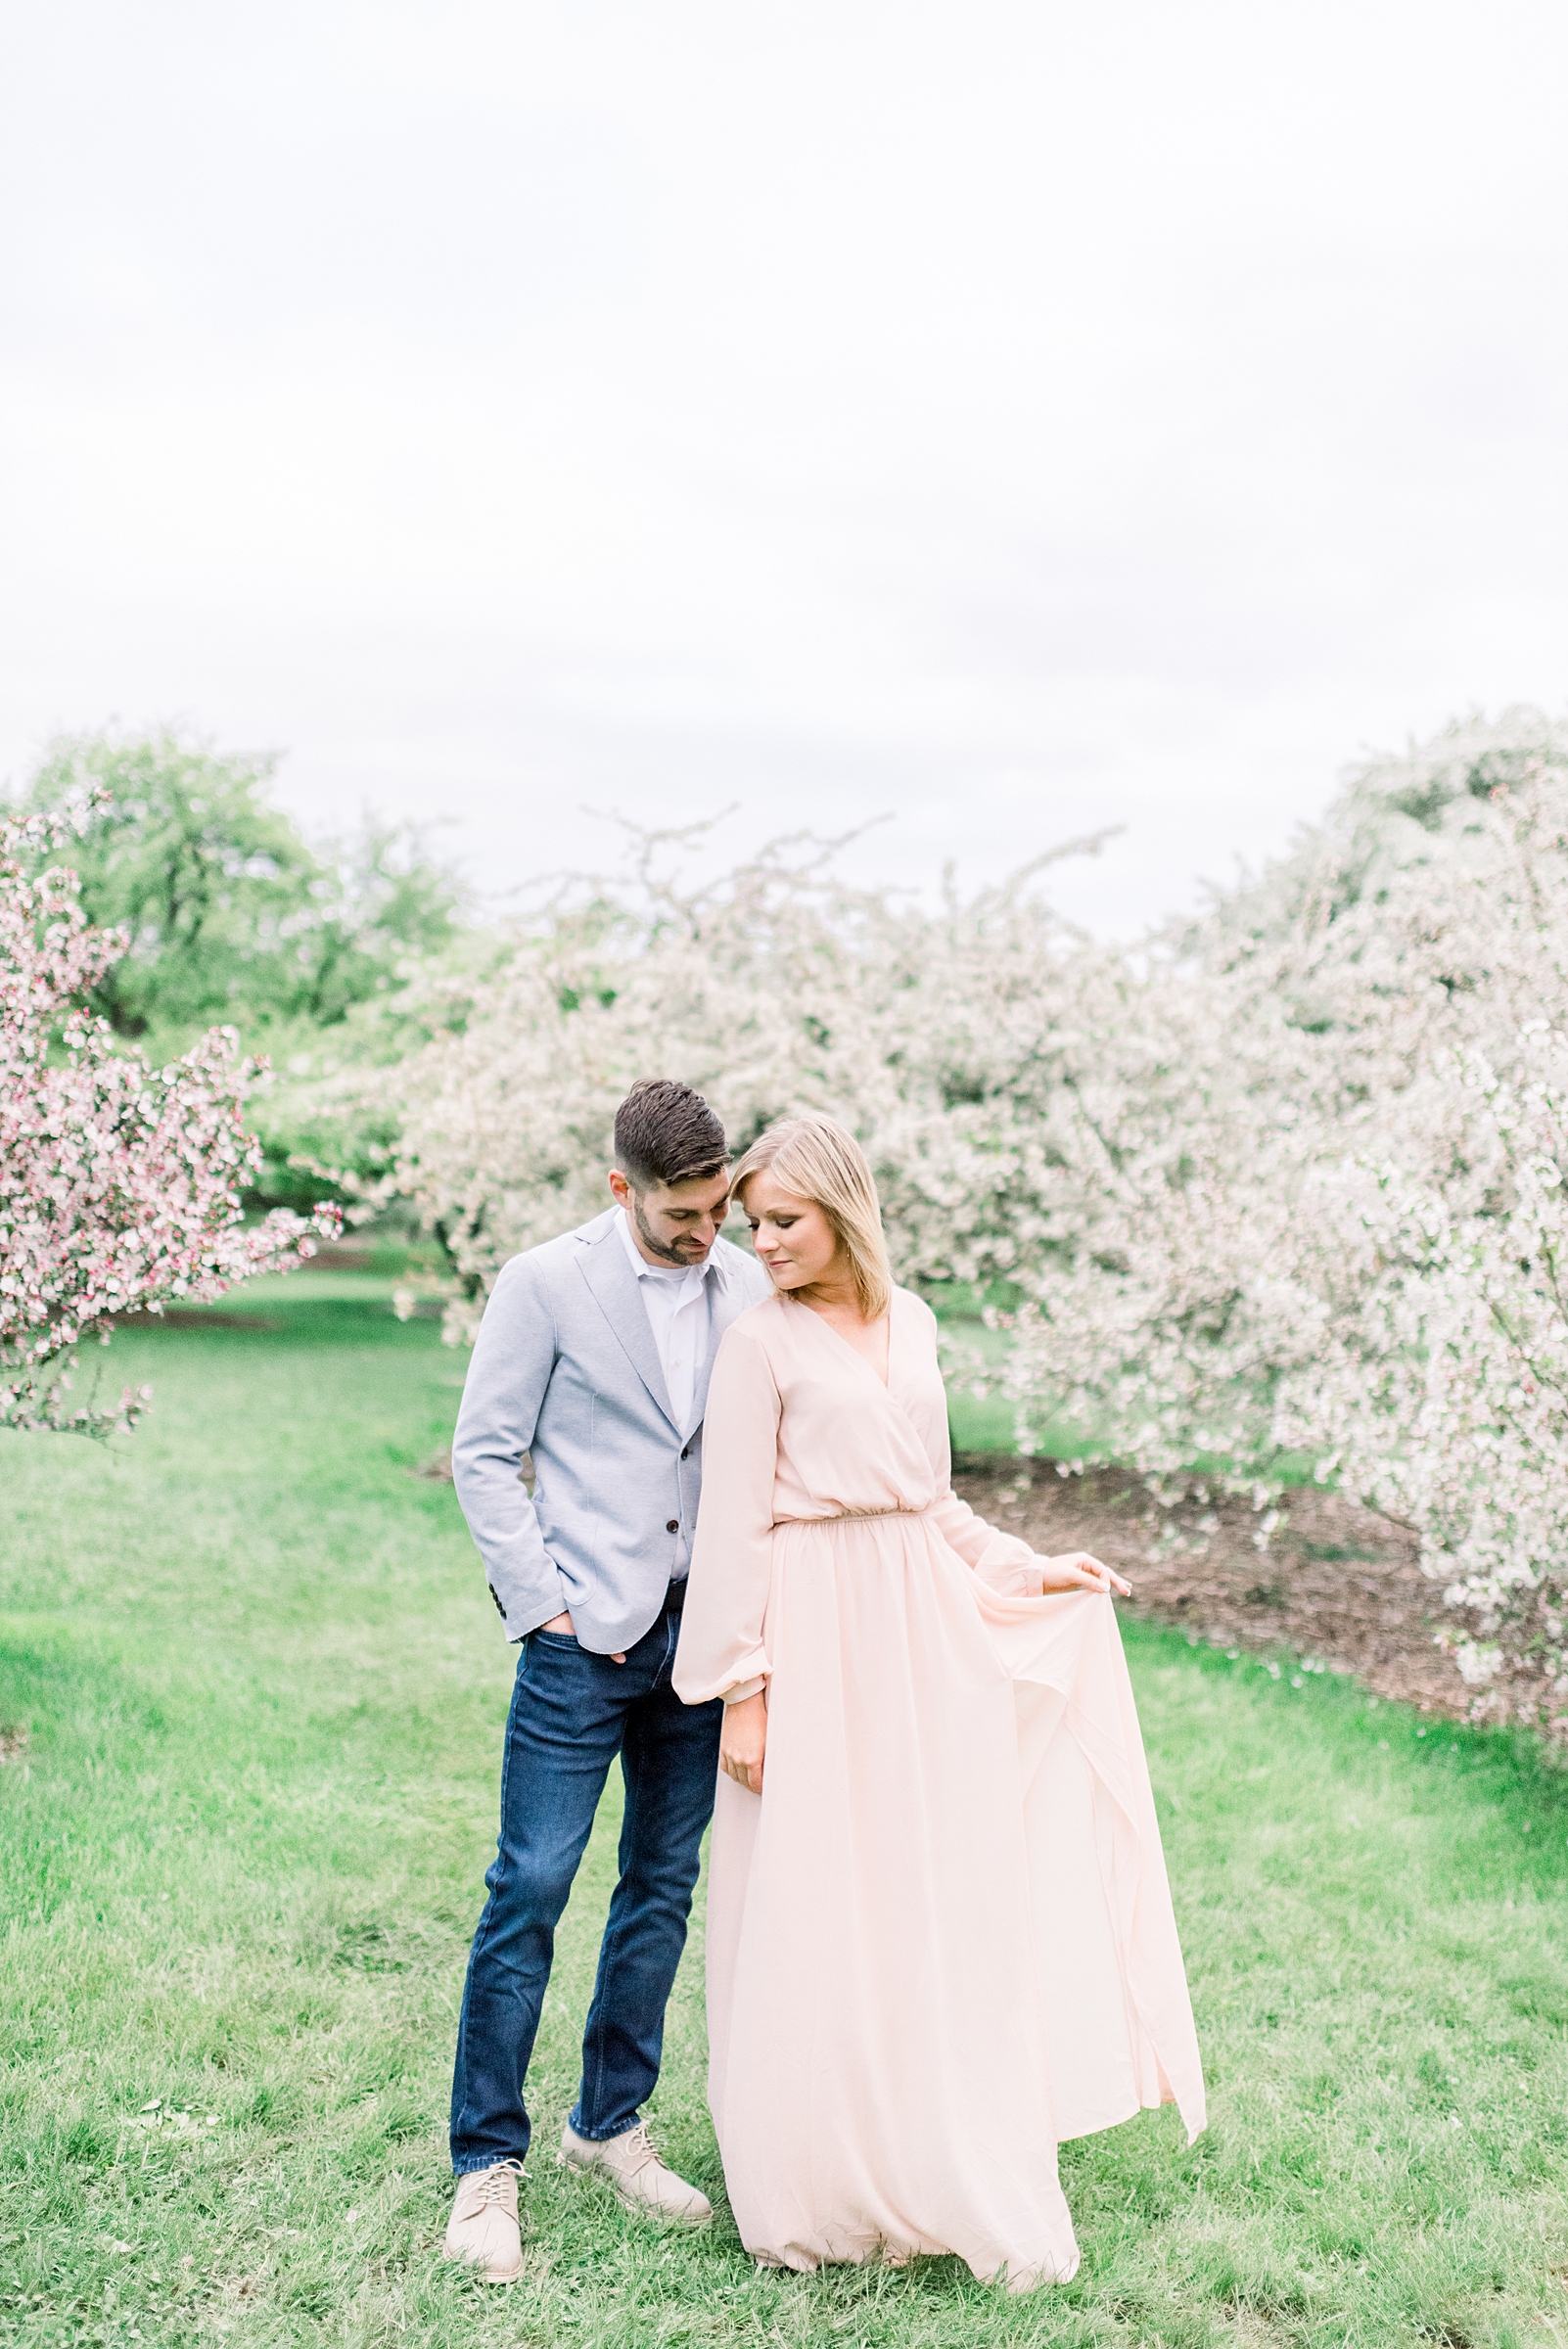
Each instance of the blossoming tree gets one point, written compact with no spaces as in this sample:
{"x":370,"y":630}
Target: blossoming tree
{"x":1440,"y":1388}
{"x":1286,"y":1180}
{"x":119,"y":1183}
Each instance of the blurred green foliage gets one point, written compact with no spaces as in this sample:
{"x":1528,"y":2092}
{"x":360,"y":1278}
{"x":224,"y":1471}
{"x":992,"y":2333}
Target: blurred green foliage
{"x":232,"y":916}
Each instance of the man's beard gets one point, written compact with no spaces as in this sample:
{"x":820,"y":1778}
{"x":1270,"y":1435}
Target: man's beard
{"x":670,"y":1250}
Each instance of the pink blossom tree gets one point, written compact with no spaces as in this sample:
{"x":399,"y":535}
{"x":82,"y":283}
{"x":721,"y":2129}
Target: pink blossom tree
{"x":119,"y":1183}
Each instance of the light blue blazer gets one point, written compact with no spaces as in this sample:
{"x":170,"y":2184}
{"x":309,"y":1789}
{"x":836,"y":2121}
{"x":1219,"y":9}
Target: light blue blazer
{"x":564,"y":1367}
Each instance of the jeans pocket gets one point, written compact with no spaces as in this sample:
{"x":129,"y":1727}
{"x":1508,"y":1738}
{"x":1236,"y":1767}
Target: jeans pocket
{"x":555,"y":1639}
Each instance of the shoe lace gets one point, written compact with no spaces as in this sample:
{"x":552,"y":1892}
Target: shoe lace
{"x":640,"y":2148}
{"x":491,"y":2185}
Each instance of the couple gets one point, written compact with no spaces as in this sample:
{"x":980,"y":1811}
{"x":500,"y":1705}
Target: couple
{"x":939,"y":1937}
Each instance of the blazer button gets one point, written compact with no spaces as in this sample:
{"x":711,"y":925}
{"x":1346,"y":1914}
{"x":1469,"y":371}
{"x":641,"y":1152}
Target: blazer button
{"x":673,"y":1527}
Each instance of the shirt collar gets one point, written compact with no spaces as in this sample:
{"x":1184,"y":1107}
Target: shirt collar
{"x":640,"y":1264}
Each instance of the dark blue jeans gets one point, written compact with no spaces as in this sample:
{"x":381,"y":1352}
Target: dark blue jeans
{"x":571,"y":1712}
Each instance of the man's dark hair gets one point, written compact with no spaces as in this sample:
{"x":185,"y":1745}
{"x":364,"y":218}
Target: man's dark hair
{"x":666,"y":1133}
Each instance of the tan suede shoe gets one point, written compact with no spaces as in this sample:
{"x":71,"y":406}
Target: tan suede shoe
{"x":483,"y":2229}
{"x":639,"y":2177}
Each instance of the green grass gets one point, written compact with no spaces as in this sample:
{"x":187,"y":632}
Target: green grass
{"x":989,"y":1422}
{"x":241,"y":1859}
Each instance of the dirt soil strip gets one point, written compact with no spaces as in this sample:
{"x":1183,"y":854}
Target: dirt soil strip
{"x":1337,"y":1584}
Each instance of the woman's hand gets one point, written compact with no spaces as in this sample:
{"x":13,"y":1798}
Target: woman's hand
{"x":745,"y":1741}
{"x":1075,"y":1569}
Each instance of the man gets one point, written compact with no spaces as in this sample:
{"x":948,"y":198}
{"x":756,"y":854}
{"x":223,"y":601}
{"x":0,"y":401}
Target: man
{"x":593,"y":1356}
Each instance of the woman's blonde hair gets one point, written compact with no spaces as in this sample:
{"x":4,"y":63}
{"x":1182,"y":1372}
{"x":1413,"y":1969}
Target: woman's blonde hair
{"x":815,"y":1159}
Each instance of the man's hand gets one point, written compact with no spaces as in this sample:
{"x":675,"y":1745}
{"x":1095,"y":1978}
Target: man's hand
{"x":1075,"y":1569}
{"x":569,"y":1630}
{"x":744,"y":1742}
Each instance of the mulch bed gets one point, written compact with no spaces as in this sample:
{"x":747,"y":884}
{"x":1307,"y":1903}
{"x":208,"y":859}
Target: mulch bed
{"x":1336,"y":1584}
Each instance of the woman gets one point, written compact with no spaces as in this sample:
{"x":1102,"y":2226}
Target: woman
{"x":940,"y":1936}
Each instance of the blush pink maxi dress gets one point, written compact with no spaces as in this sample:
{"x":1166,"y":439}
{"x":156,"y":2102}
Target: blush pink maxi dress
{"x":941,"y":1941}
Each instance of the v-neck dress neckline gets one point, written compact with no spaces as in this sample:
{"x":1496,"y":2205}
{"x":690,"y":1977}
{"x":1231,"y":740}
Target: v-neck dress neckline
{"x":886,"y":1384}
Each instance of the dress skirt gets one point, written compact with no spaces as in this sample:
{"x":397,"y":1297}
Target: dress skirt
{"x":941,"y":1941}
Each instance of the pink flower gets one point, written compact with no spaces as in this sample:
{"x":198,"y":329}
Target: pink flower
{"x":119,"y":1185}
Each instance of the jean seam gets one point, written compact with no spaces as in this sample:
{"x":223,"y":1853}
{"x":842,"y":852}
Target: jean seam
{"x":610,"y":1947}
{"x":481,"y":1938}
{"x":608,"y":1952}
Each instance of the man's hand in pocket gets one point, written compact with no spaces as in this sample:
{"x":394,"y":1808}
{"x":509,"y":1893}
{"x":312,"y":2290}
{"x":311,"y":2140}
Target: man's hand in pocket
{"x":569,"y":1630}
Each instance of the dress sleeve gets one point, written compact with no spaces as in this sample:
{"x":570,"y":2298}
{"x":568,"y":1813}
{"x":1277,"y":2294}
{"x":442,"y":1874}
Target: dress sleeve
{"x":1008,"y":1564}
{"x":721,"y":1647}
{"x":1000,"y":1559}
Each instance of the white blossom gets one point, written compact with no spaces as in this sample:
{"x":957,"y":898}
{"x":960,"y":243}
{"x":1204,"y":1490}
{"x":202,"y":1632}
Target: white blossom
{"x":1284,"y":1185}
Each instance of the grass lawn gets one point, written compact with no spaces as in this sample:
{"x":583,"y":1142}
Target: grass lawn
{"x":241,"y":1854}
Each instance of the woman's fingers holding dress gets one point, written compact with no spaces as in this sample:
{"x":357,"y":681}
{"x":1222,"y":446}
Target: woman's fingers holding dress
{"x":1077,"y":1571}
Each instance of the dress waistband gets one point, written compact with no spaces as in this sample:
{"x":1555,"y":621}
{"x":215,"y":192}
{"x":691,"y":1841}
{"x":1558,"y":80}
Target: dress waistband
{"x":855,"y":1516}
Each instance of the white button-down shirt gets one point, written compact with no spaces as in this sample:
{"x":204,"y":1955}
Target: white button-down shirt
{"x":678,"y":1303}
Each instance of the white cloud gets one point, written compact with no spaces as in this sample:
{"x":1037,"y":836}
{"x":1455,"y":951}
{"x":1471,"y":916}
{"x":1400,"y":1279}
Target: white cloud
{"x":1023,"y":417}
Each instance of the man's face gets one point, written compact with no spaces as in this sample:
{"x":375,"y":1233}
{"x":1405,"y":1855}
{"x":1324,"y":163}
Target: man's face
{"x":674,"y":1224}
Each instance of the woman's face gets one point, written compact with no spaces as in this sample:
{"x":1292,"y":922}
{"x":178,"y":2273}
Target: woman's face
{"x":792,"y":1236}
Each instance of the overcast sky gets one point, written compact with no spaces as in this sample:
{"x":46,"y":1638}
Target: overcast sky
{"x":1021,"y":418}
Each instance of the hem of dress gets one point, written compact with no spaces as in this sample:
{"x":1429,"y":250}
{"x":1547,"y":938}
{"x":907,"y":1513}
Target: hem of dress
{"x":1007,"y":2276}
{"x":1073,"y":2137}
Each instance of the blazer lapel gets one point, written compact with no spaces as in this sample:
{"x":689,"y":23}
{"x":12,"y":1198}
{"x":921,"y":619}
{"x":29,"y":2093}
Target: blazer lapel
{"x":725,"y":1303}
{"x":604,"y":1267}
